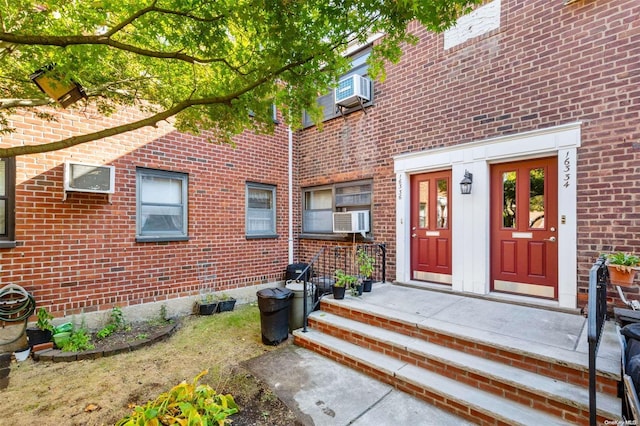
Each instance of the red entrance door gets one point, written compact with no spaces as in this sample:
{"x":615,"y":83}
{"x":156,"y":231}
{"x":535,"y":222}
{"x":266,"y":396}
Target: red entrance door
{"x":524,"y":211}
{"x":431,"y":227}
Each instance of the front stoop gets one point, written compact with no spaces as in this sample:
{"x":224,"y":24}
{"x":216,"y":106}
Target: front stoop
{"x":484,"y":382}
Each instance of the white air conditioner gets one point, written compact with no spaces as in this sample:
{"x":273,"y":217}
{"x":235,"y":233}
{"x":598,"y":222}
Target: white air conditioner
{"x":81,"y":177}
{"x":351,"y":222}
{"x":352,"y":90}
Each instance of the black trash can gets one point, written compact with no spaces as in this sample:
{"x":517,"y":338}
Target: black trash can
{"x":295,"y":270}
{"x":274,"y":305}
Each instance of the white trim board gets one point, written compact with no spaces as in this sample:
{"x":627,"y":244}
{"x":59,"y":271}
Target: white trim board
{"x":470,"y":213}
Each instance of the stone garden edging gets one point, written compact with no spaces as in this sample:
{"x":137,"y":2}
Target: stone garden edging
{"x":56,"y":355}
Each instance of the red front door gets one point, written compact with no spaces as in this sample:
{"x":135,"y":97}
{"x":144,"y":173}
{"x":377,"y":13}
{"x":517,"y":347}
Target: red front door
{"x":524,"y":211}
{"x":431,"y":227}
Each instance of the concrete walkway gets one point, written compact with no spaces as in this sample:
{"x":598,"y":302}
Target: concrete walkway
{"x":323,"y":392}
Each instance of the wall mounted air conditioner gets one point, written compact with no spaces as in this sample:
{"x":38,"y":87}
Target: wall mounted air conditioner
{"x":352,"y":90}
{"x":351,"y":222}
{"x":80,"y":177}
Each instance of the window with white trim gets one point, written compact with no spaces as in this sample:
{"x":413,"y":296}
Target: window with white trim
{"x":161,"y":198}
{"x":260,"y":211}
{"x":7,"y":202}
{"x":319,"y":203}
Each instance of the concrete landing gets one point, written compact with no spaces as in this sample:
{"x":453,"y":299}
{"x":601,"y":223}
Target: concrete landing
{"x":322,"y":392}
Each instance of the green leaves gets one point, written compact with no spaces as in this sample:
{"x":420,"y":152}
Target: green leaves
{"x":185,"y":404}
{"x":218,"y":60}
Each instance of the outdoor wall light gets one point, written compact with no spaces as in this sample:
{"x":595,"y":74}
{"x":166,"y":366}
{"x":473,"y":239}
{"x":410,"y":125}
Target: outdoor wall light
{"x":466,"y":182}
{"x":51,"y":83}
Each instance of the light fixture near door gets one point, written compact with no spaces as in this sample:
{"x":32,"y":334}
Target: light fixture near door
{"x":466,"y":183}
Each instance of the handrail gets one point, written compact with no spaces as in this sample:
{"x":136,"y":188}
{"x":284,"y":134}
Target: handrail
{"x":597,"y":309}
{"x":324,"y":263}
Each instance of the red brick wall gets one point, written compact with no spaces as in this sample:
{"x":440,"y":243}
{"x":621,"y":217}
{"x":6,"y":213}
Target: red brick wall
{"x":548,"y":64}
{"x":81,"y":254}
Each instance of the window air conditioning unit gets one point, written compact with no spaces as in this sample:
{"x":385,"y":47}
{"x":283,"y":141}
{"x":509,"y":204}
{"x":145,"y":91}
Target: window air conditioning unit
{"x":353,"y":90}
{"x":81,"y":177}
{"x":351,"y":222}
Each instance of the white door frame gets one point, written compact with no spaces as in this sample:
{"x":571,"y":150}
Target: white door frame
{"x":470,"y":213}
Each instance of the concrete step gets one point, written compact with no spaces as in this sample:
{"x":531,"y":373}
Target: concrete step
{"x":554,"y":362}
{"x":554,"y":396}
{"x":479,"y":406}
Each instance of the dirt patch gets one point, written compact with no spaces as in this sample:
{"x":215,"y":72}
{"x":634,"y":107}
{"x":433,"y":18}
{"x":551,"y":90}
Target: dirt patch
{"x":101,"y":391}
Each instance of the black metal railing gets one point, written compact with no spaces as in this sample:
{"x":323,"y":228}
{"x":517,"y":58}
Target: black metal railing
{"x":320,"y":271}
{"x":597,"y":311}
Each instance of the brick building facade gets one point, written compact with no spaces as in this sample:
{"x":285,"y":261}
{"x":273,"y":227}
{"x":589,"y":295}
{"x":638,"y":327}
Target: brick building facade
{"x":521,"y":81}
{"x":81,"y":252}
{"x":533,"y":81}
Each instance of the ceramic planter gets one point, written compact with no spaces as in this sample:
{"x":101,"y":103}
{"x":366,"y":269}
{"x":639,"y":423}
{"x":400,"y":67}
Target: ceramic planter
{"x":61,"y":338}
{"x":338,"y":292}
{"x":623,"y":277}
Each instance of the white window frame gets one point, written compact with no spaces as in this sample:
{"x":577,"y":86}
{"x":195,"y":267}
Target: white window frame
{"x":260,"y":233}
{"x":339,"y":203}
{"x":168,"y":235}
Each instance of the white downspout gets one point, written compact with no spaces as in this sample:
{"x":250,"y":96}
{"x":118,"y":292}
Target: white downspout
{"x":290,"y":240}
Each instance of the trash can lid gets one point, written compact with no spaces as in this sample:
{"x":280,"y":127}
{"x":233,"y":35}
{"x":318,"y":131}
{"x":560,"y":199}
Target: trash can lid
{"x":275,"y":293}
{"x":298,"y":286}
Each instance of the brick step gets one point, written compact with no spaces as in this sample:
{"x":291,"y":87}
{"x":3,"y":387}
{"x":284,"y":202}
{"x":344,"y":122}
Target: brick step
{"x":479,"y":406}
{"x":556,"y":363}
{"x":562,"y":399}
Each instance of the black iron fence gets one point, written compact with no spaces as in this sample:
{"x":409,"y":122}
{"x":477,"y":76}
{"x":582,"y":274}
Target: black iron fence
{"x":319,"y":273}
{"x":597,"y":308}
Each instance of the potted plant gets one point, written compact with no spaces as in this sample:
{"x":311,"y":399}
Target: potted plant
{"x":365,"y":266}
{"x":622,"y":268}
{"x":208,"y":304}
{"x":225,"y":303}
{"x":43,"y":331}
{"x":343,"y":280}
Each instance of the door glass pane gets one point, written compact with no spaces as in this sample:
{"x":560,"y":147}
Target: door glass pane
{"x":3,"y":177}
{"x":536,"y":198}
{"x":443,"y":203}
{"x":509,"y":200}
{"x":423,"y":205}
{"x":3,"y":217}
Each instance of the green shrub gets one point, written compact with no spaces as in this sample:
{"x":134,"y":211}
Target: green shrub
{"x":184,"y":404}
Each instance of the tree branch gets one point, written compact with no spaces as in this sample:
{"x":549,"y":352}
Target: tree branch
{"x":149,"y":121}
{"x":64,"y":41}
{"x":24,"y":103}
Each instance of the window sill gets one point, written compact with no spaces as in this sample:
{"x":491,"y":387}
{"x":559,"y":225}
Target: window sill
{"x":8,"y":244}
{"x":262,"y":237}
{"x":145,"y":239}
{"x":336,"y":237}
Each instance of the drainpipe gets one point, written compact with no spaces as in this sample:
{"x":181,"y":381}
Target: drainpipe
{"x":290,"y":240}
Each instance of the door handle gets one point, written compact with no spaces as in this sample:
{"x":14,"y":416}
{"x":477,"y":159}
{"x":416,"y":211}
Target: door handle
{"x":551,"y":240}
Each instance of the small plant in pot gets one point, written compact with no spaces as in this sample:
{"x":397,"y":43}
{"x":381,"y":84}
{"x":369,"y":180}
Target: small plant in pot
{"x":365,"y":266}
{"x":226,"y":303}
{"x":622,"y":268}
{"x":343,"y":280}
{"x":208,"y":304}
{"x":43,"y":331}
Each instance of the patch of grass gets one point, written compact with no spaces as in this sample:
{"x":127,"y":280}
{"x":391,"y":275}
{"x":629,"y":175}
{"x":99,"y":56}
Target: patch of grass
{"x":219,"y":343}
